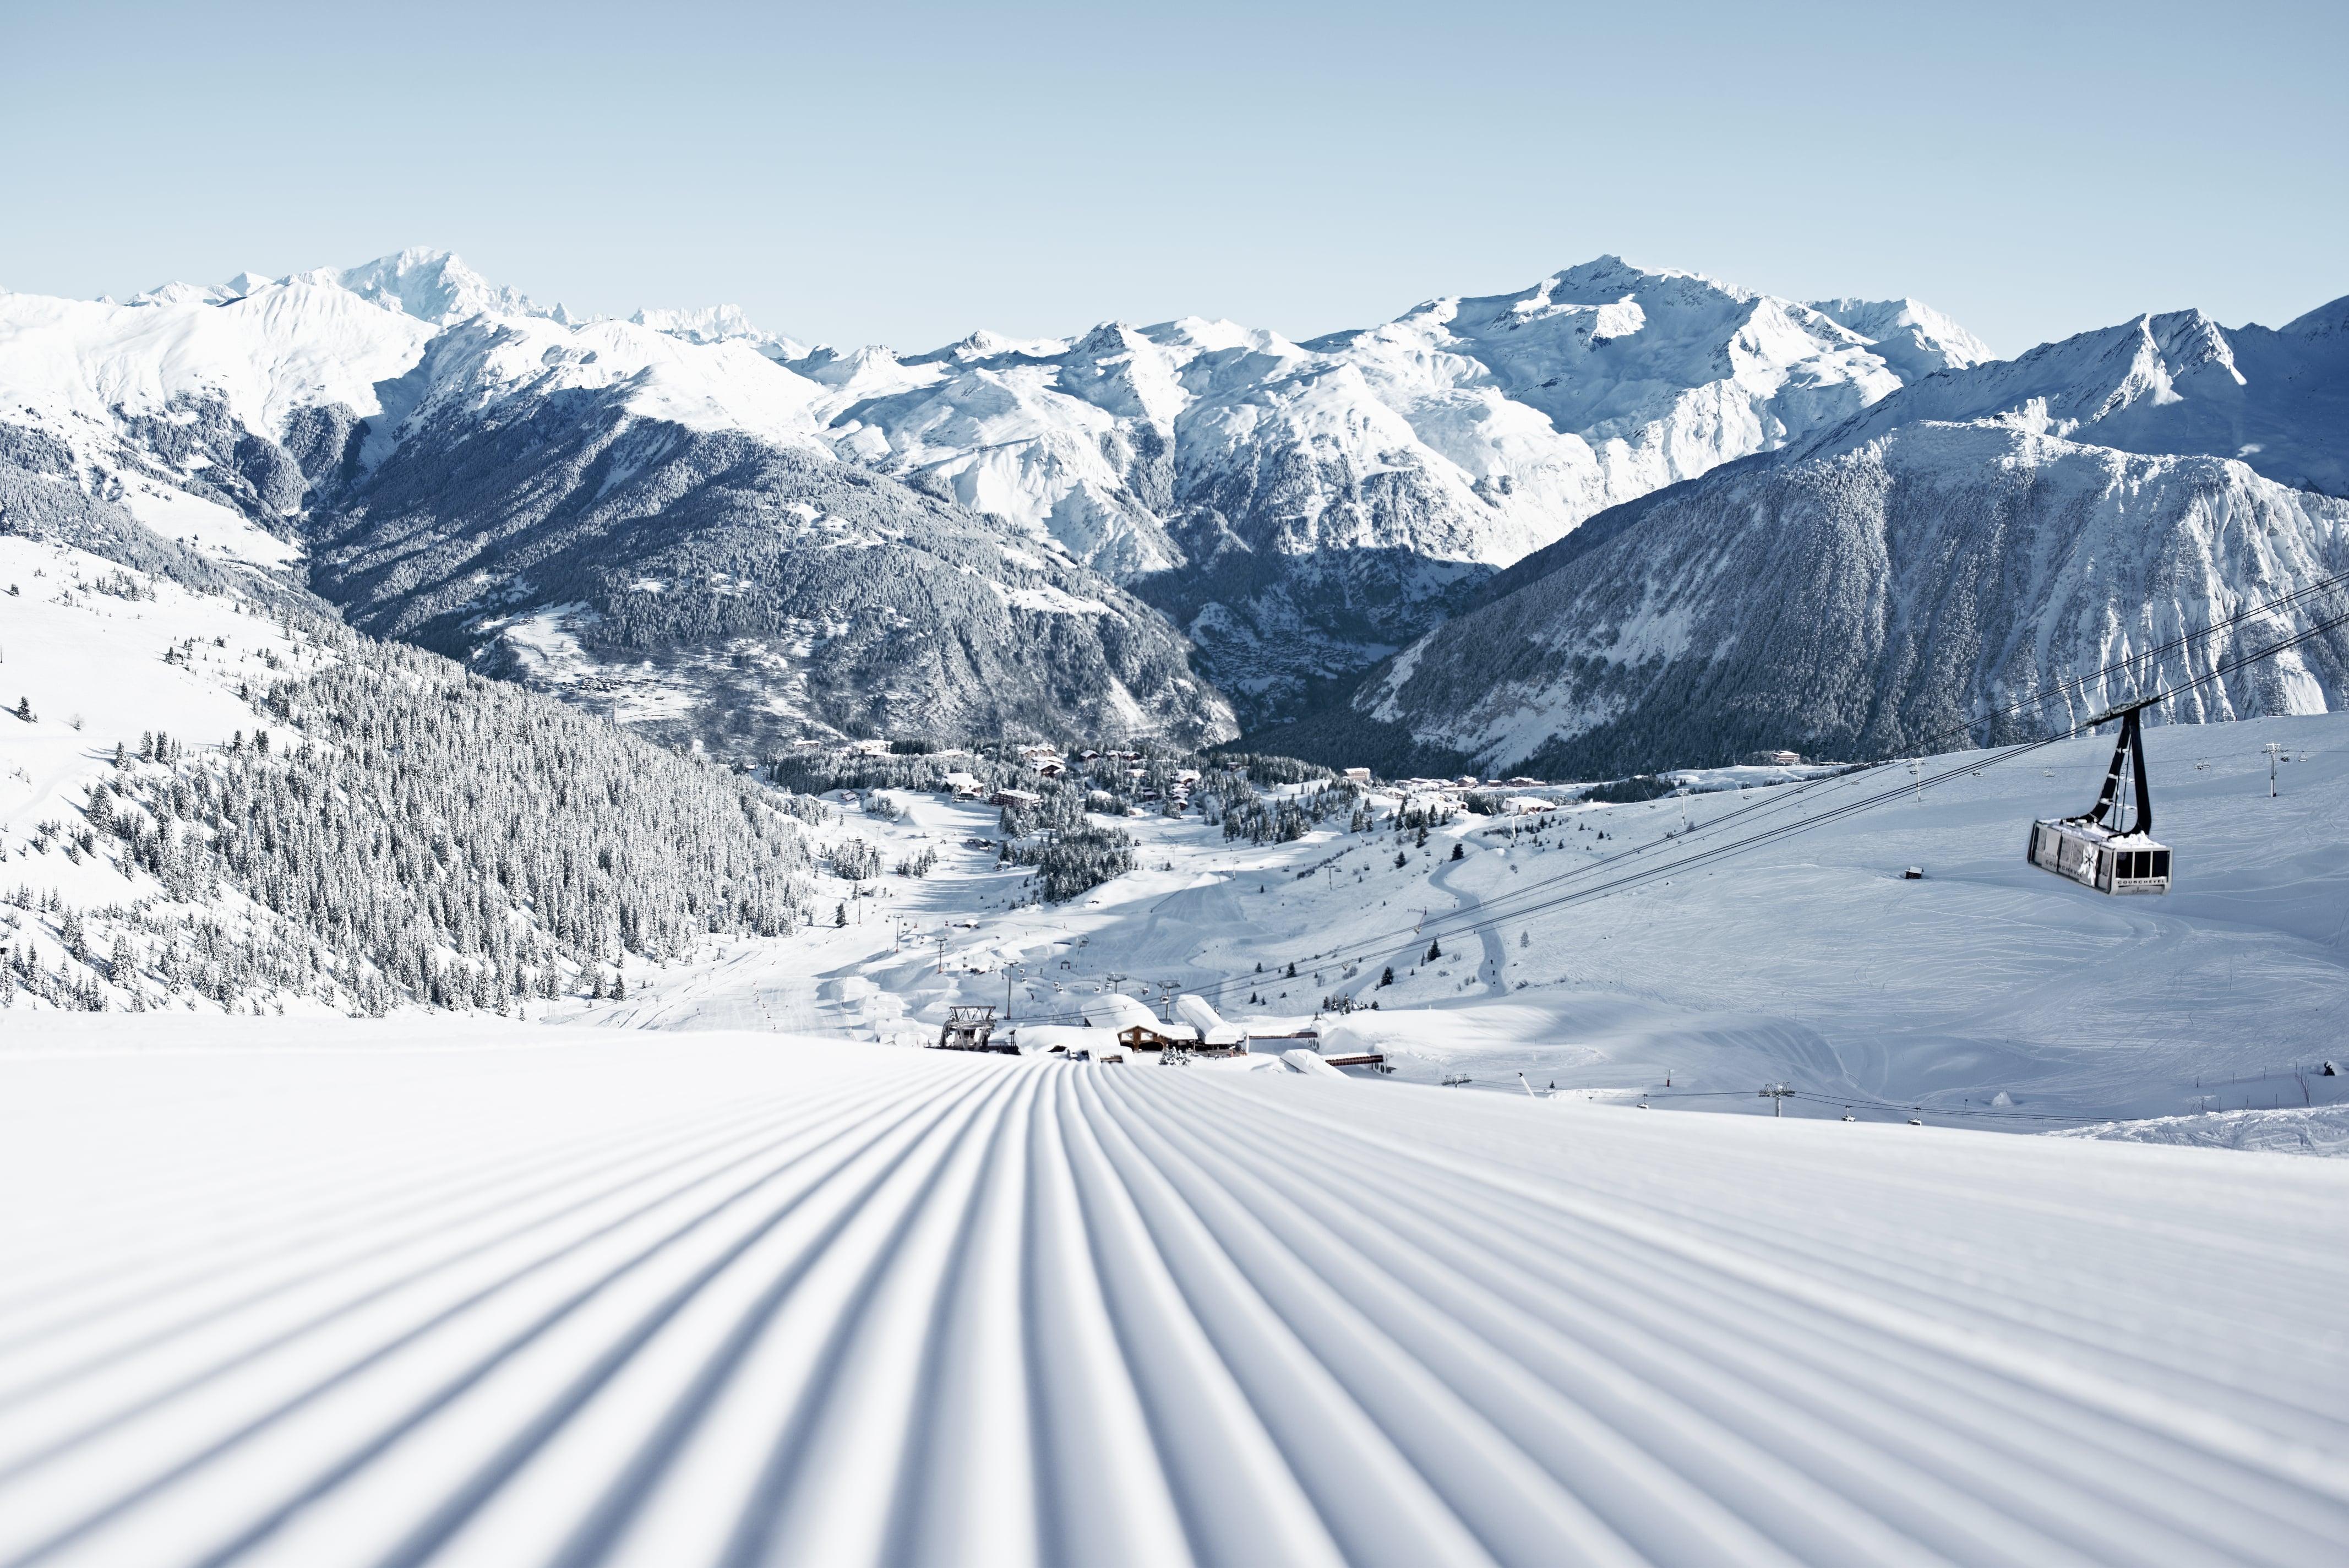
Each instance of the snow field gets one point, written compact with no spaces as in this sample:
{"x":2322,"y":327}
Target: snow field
{"x":91,"y":665}
{"x":337,"y":1295}
{"x":1808,"y":960}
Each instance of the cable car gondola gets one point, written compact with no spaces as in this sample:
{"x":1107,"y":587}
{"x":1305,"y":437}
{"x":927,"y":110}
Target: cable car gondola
{"x":2093,"y":849}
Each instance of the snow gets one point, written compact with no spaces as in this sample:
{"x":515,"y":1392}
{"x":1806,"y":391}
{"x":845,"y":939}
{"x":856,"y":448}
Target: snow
{"x":267,"y":354}
{"x":429,"y":284}
{"x":1993,"y":556}
{"x":208,"y":527}
{"x":483,"y":362}
{"x":91,"y":665}
{"x":1515,"y":416}
{"x":1810,"y":960}
{"x":486,"y":1293}
{"x":269,"y":349}
{"x":719,"y":323}
{"x":1046,"y":599}
{"x":2303,"y":1129}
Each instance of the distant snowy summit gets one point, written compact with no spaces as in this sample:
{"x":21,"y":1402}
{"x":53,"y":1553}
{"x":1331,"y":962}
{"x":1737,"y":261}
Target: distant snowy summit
{"x":1599,"y":520}
{"x":1924,"y":569}
{"x":1302,"y":509}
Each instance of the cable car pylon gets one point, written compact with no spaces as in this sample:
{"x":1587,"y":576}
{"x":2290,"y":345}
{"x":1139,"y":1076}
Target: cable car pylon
{"x":2093,"y":848}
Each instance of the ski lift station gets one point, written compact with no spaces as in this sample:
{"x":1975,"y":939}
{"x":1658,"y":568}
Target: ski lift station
{"x":2094,"y":850}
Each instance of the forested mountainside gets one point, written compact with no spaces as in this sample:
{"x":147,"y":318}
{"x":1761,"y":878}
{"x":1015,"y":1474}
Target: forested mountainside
{"x":216,"y":795}
{"x":707,"y":584}
{"x":1943,"y":553}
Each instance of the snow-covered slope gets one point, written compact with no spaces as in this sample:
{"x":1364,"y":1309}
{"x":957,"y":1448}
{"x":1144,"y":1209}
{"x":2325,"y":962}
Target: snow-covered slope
{"x":214,"y":795}
{"x":1301,"y":509}
{"x":1936,"y":557}
{"x":1987,"y":992}
{"x":736,"y":1299}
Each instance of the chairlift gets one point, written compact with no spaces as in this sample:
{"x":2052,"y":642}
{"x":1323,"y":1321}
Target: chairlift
{"x":2093,"y":848}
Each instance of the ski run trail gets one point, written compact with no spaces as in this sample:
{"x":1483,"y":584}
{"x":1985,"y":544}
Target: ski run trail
{"x":300,"y":1292}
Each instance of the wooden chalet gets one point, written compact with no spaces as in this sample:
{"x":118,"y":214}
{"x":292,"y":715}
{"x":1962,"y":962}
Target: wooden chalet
{"x":1175,"y":1036}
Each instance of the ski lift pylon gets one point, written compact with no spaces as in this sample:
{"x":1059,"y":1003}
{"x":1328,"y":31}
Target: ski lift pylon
{"x":2093,"y":848}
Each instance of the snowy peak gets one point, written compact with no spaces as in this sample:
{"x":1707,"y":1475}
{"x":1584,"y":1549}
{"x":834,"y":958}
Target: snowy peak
{"x":237,"y":287}
{"x":261,"y":355}
{"x":485,"y":362}
{"x":430,"y":286}
{"x":2330,"y":320}
{"x":1315,"y":504}
{"x":1610,"y":350}
{"x":719,"y":323}
{"x":2172,"y":382}
{"x":983,"y":344}
{"x":1913,"y":338}
{"x":1976,"y":532}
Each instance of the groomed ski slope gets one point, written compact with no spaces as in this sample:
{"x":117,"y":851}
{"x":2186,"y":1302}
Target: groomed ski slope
{"x":476,"y":1293}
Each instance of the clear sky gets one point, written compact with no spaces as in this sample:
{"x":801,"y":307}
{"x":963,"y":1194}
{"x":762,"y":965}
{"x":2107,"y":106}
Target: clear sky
{"x":902,"y":173}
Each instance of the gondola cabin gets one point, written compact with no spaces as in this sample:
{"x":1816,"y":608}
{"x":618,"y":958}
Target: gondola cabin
{"x":2127,"y":863}
{"x":2093,"y":849}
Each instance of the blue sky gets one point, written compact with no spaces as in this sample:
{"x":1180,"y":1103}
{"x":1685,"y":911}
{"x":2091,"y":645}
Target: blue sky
{"x":903,"y":174}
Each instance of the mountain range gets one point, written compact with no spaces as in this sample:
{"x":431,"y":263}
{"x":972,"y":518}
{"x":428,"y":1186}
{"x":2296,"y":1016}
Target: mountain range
{"x":642,"y":515}
{"x":1617,"y":518}
{"x":1922,"y":570}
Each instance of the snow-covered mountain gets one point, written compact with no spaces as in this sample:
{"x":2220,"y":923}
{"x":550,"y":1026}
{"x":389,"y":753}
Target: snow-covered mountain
{"x":1617,"y":478}
{"x":1301,"y":509}
{"x":1940,"y":555}
{"x":644,"y":513}
{"x":2277,"y":399}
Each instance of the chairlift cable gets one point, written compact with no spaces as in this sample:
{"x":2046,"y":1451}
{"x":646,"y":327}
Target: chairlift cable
{"x":1488,"y":918}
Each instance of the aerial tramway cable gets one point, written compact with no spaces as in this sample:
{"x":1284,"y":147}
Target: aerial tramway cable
{"x":1487,"y":916}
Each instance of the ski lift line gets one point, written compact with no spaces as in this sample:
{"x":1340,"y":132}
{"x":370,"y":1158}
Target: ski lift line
{"x":1862,"y":1102}
{"x":1852,"y":808}
{"x":1489,"y":917}
{"x":2014,"y":709}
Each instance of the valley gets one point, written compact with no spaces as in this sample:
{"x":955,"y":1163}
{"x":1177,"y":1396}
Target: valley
{"x":502,"y":811}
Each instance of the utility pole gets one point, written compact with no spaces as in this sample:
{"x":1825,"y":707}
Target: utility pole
{"x":1776,"y":1094}
{"x":1917,"y":771}
{"x":2273,"y":749}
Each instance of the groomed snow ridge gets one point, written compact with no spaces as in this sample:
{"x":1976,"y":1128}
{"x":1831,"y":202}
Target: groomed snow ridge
{"x":440,"y":1293}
